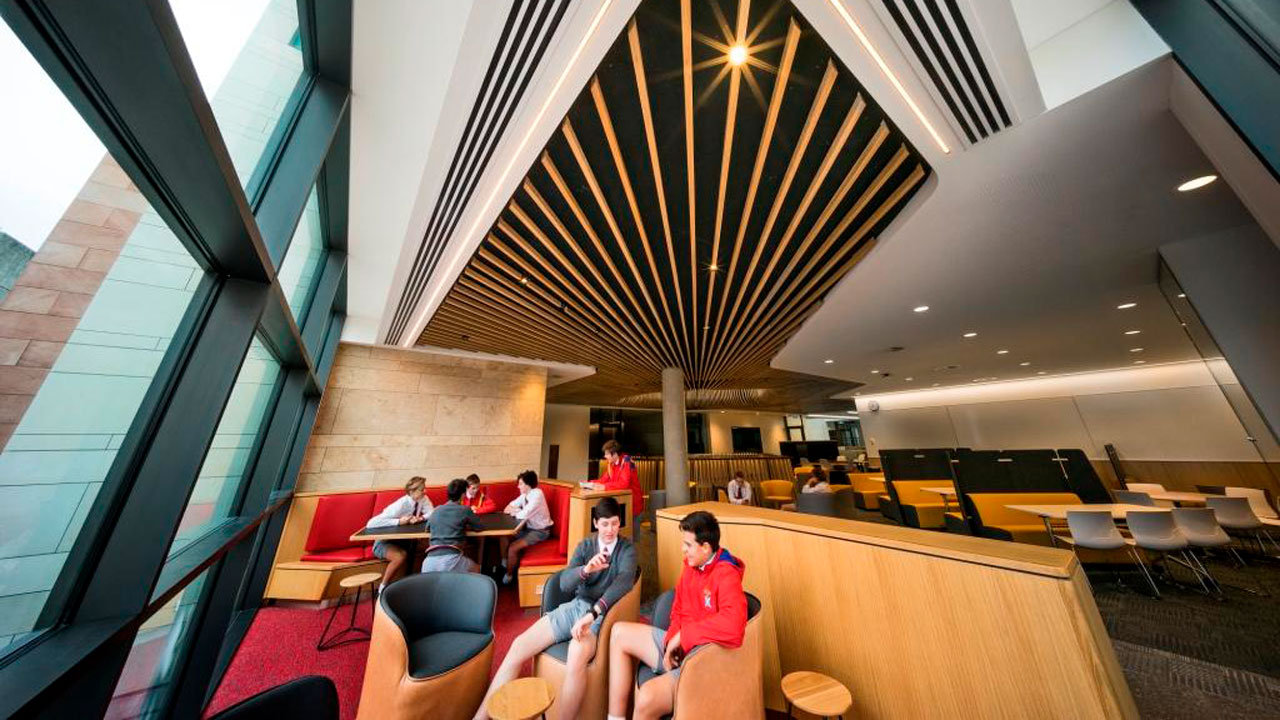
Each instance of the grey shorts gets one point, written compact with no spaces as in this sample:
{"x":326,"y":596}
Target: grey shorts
{"x":660,"y":639}
{"x":448,"y":562}
{"x":564,"y":616}
{"x":380,"y":547}
{"x":531,"y":536}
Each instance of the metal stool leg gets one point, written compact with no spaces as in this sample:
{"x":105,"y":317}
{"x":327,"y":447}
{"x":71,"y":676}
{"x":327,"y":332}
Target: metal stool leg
{"x":351,"y":628}
{"x":334,"y":613}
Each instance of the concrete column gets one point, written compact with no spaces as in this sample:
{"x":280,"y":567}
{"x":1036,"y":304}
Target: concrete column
{"x":675,"y":451}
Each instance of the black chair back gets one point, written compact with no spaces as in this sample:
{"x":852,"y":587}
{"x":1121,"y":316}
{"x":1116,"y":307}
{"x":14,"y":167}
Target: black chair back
{"x":816,"y":503}
{"x":1082,"y":478}
{"x":429,"y":603}
{"x":312,"y":697}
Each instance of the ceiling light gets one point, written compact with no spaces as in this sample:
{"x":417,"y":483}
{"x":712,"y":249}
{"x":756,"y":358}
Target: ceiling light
{"x":721,"y":412}
{"x":1135,"y":349}
{"x":737,"y":55}
{"x":884,"y":68}
{"x":852,"y":412}
{"x":920,"y":308}
{"x":1040,"y":372}
{"x":1126,"y":306}
{"x":936,"y":384}
{"x":875,"y":372}
{"x":1132,"y":332}
{"x":1196,"y":183}
{"x":524,"y":280}
{"x":971,"y":334}
{"x":828,"y":361}
{"x":909,"y":379}
{"x":1002,"y":352}
{"x":1182,"y":295}
{"x":1024,"y":364}
{"x":1139,"y":362}
{"x":714,"y":267}
{"x":857,"y":394}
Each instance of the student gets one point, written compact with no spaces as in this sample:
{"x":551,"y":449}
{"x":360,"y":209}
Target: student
{"x":620,"y":474}
{"x":448,"y":525}
{"x":530,"y":507}
{"x":414,"y":507}
{"x":601,"y":571}
{"x":817,"y":482}
{"x":739,"y":490}
{"x":476,"y":498}
{"x":709,"y":607}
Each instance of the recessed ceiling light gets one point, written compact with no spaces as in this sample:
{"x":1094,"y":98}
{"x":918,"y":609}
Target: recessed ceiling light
{"x":1139,"y":362}
{"x":1132,"y":332}
{"x":875,"y":372}
{"x":714,"y":267}
{"x":828,"y":361}
{"x":524,"y":279}
{"x":1025,"y":363}
{"x":1135,"y":349}
{"x":852,"y":412}
{"x":971,"y":334}
{"x":936,"y":384}
{"x":1196,"y":183}
{"x":1126,"y":306}
{"x":737,"y":55}
{"x":920,"y":308}
{"x":1002,"y":352}
{"x":857,"y":394}
{"x":1040,"y":372}
{"x":1182,"y":295}
{"x":909,"y":379}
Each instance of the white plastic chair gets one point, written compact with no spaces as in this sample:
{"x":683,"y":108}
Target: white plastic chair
{"x":1155,"y":530}
{"x":1257,"y":501}
{"x":1236,"y":514}
{"x":1095,"y":530}
{"x":1150,"y":489}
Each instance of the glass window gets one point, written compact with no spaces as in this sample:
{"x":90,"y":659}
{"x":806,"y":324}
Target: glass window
{"x":249,"y":60}
{"x":231,"y":453}
{"x":83,"y":328}
{"x":302,"y":263}
{"x":142,"y":688}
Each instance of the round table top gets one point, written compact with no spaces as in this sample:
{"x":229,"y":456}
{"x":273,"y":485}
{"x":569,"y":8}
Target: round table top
{"x":521,"y":699}
{"x":816,"y":693}
{"x":360,"y":580}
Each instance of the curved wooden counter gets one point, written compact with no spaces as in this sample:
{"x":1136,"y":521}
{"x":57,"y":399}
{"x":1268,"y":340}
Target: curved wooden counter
{"x":916,"y":623}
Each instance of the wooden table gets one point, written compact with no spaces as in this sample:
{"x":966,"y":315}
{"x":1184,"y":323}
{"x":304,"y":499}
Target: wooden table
{"x":1181,"y":497}
{"x":947,"y":494}
{"x":1048,"y":513}
{"x":522,"y":699}
{"x":816,"y":693}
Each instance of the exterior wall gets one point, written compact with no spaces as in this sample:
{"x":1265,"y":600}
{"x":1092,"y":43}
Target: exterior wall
{"x":773,"y":430}
{"x":389,"y":414}
{"x":569,"y":427}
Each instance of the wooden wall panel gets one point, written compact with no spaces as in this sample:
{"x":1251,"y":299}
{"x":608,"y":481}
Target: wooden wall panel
{"x":1186,"y":475}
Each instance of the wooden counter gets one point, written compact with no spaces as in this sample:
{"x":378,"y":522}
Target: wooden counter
{"x":581,"y":503}
{"x":915,"y":623}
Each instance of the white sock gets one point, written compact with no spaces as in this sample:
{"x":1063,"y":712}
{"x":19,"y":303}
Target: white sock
{"x":617,"y":717}
{"x":381,"y":587}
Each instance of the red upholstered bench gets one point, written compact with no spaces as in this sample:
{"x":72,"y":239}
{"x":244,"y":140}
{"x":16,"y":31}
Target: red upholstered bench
{"x":550,"y":556}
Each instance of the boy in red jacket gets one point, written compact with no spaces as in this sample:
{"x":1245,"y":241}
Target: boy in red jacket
{"x":620,"y":474}
{"x":476,"y":498}
{"x":709,"y":607}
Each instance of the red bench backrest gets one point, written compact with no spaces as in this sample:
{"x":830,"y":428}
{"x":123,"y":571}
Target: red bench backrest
{"x":337,"y":518}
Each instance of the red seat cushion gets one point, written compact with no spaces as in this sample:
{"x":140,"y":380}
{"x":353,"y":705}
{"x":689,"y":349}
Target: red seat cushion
{"x":337,"y":518}
{"x":501,"y":493}
{"x":544,"y":553}
{"x":438,"y":495}
{"x":352,"y":554}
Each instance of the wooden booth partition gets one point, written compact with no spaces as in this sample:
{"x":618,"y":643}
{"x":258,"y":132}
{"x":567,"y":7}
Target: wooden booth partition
{"x":918,"y":624}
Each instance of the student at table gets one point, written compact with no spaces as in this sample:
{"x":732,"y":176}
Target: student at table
{"x":448,"y":525}
{"x":601,"y":571}
{"x":530,"y":508}
{"x":476,"y":498}
{"x":817,"y":482}
{"x":739,"y":490}
{"x":414,"y":507}
{"x":709,"y":607}
{"x":620,"y":474}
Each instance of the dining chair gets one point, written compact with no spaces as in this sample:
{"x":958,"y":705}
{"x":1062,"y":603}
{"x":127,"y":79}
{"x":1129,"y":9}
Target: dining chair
{"x":1127,"y":497}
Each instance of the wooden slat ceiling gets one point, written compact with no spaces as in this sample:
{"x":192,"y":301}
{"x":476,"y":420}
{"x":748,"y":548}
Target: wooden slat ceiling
{"x":689,"y":212}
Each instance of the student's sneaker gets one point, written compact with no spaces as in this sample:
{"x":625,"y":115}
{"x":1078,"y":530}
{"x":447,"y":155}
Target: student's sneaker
{"x":506,"y":579}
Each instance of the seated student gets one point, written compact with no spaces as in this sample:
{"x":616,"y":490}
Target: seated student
{"x":739,"y":490}
{"x":476,"y":498}
{"x":817,"y":482}
{"x":448,"y":525}
{"x":709,"y":607}
{"x":414,"y":507}
{"x":601,"y":570}
{"x":530,"y":507}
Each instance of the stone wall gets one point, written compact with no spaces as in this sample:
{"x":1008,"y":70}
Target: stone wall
{"x":389,"y":414}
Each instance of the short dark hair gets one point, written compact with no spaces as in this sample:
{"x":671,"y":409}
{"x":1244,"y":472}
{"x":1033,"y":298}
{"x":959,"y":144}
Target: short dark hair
{"x":606,"y":508}
{"x":819,"y":474}
{"x":611,"y":446}
{"x":704,"y":527}
{"x":528,"y":477}
{"x":474,"y":479}
{"x":738,"y":474}
{"x":457,"y":488}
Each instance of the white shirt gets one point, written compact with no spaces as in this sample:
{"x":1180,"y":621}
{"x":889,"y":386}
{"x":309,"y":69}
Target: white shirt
{"x":822,"y":487}
{"x":606,"y":549}
{"x":739,"y":492}
{"x":401,"y":508}
{"x":532,"y":507}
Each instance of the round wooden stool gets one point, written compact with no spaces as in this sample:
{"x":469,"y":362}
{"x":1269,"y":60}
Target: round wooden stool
{"x":358,"y":582}
{"x":816,"y":693}
{"x":522,"y":699}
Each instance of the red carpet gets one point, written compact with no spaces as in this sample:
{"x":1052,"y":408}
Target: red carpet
{"x":281,"y":645}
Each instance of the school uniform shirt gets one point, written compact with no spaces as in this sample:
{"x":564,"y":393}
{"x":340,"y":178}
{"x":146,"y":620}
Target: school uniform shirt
{"x":532,"y":507}
{"x":480,"y":502}
{"x":739,"y":492}
{"x":822,"y":487}
{"x":404,"y":507}
{"x":622,"y":476}
{"x":710,"y":605}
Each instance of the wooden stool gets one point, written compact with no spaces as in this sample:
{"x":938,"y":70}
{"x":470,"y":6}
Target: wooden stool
{"x":358,"y":582}
{"x":522,"y":699}
{"x":816,"y":693}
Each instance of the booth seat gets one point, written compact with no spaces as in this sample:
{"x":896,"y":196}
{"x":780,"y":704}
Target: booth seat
{"x":315,"y":551}
{"x":551,"y":556}
{"x":918,"y":508}
{"x":867,"y":489}
{"x":994,"y":520}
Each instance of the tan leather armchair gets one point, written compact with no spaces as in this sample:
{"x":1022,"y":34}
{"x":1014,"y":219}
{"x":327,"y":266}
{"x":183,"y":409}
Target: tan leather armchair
{"x":550,"y":664}
{"x":431,"y":649}
{"x":716,"y":681}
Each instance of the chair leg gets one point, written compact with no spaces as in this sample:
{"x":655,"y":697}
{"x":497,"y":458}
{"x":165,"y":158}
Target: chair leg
{"x":1137,"y":557}
{"x":1189,"y":560}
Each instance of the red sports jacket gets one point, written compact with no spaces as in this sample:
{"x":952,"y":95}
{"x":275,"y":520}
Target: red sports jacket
{"x":480,"y":504}
{"x":710,"y":605}
{"x":622,"y":475}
